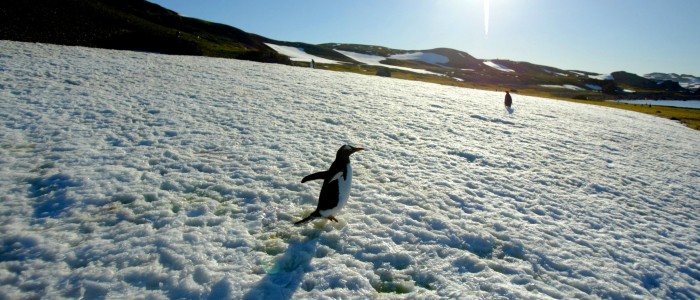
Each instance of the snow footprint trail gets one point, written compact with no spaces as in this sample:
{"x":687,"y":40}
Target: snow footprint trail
{"x":127,"y":175}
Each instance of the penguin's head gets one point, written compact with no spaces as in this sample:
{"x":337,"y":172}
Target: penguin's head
{"x":347,"y":150}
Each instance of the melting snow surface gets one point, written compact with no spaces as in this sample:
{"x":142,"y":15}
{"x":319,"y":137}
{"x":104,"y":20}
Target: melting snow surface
{"x":298,"y":54}
{"x":497,"y":66}
{"x":133,"y":175}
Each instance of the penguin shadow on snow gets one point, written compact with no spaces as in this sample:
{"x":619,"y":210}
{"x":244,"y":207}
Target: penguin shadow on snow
{"x":284,"y":278}
{"x":507,"y":119}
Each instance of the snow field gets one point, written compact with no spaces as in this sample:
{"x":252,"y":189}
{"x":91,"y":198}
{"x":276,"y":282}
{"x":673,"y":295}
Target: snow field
{"x":134,"y":175}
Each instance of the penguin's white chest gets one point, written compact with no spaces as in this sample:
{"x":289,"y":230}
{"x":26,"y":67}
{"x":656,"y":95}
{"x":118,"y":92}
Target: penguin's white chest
{"x":344,"y":183}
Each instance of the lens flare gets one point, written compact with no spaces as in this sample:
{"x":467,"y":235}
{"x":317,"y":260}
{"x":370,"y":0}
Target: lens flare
{"x":486,"y":17}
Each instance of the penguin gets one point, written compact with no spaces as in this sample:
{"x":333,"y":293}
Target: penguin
{"x":336,"y":186}
{"x":508,"y":100}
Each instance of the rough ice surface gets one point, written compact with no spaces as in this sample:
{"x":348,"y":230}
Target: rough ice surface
{"x":136,"y":175}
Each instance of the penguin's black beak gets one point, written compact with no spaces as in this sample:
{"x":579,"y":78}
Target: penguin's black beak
{"x":355,"y":149}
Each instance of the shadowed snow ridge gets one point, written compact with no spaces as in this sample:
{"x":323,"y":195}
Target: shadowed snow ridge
{"x":136,"y":175}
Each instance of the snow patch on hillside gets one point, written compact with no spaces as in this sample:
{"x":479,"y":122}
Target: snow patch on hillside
{"x":376,"y":60}
{"x":564,"y":86}
{"x":298,"y":54}
{"x":497,"y":66}
{"x":426,"y":57}
{"x":602,"y":77}
{"x":594,"y":87}
{"x":686,"y":81}
{"x":555,"y":73}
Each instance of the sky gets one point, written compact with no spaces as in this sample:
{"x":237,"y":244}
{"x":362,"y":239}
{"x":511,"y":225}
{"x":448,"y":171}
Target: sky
{"x":637,"y":36}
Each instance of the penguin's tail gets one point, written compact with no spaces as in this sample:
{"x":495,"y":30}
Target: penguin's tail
{"x":312,"y":216}
{"x":307,"y":219}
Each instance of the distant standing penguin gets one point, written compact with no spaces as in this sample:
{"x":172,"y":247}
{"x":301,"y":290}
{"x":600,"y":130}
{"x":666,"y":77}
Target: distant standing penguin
{"x":509,"y":100}
{"x":336,"y":186}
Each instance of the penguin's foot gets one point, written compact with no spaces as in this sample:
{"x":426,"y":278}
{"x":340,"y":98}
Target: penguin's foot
{"x":332,"y":218}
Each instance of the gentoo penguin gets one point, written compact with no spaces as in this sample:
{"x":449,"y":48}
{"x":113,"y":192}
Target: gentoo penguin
{"x":508,"y":100}
{"x":336,"y":186}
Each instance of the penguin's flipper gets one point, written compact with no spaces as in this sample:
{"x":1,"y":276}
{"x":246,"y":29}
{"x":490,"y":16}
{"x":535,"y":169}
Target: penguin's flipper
{"x":315,"y":176}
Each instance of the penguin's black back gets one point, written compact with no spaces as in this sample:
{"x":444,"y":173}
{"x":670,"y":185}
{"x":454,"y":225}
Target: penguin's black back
{"x":330,"y":192}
